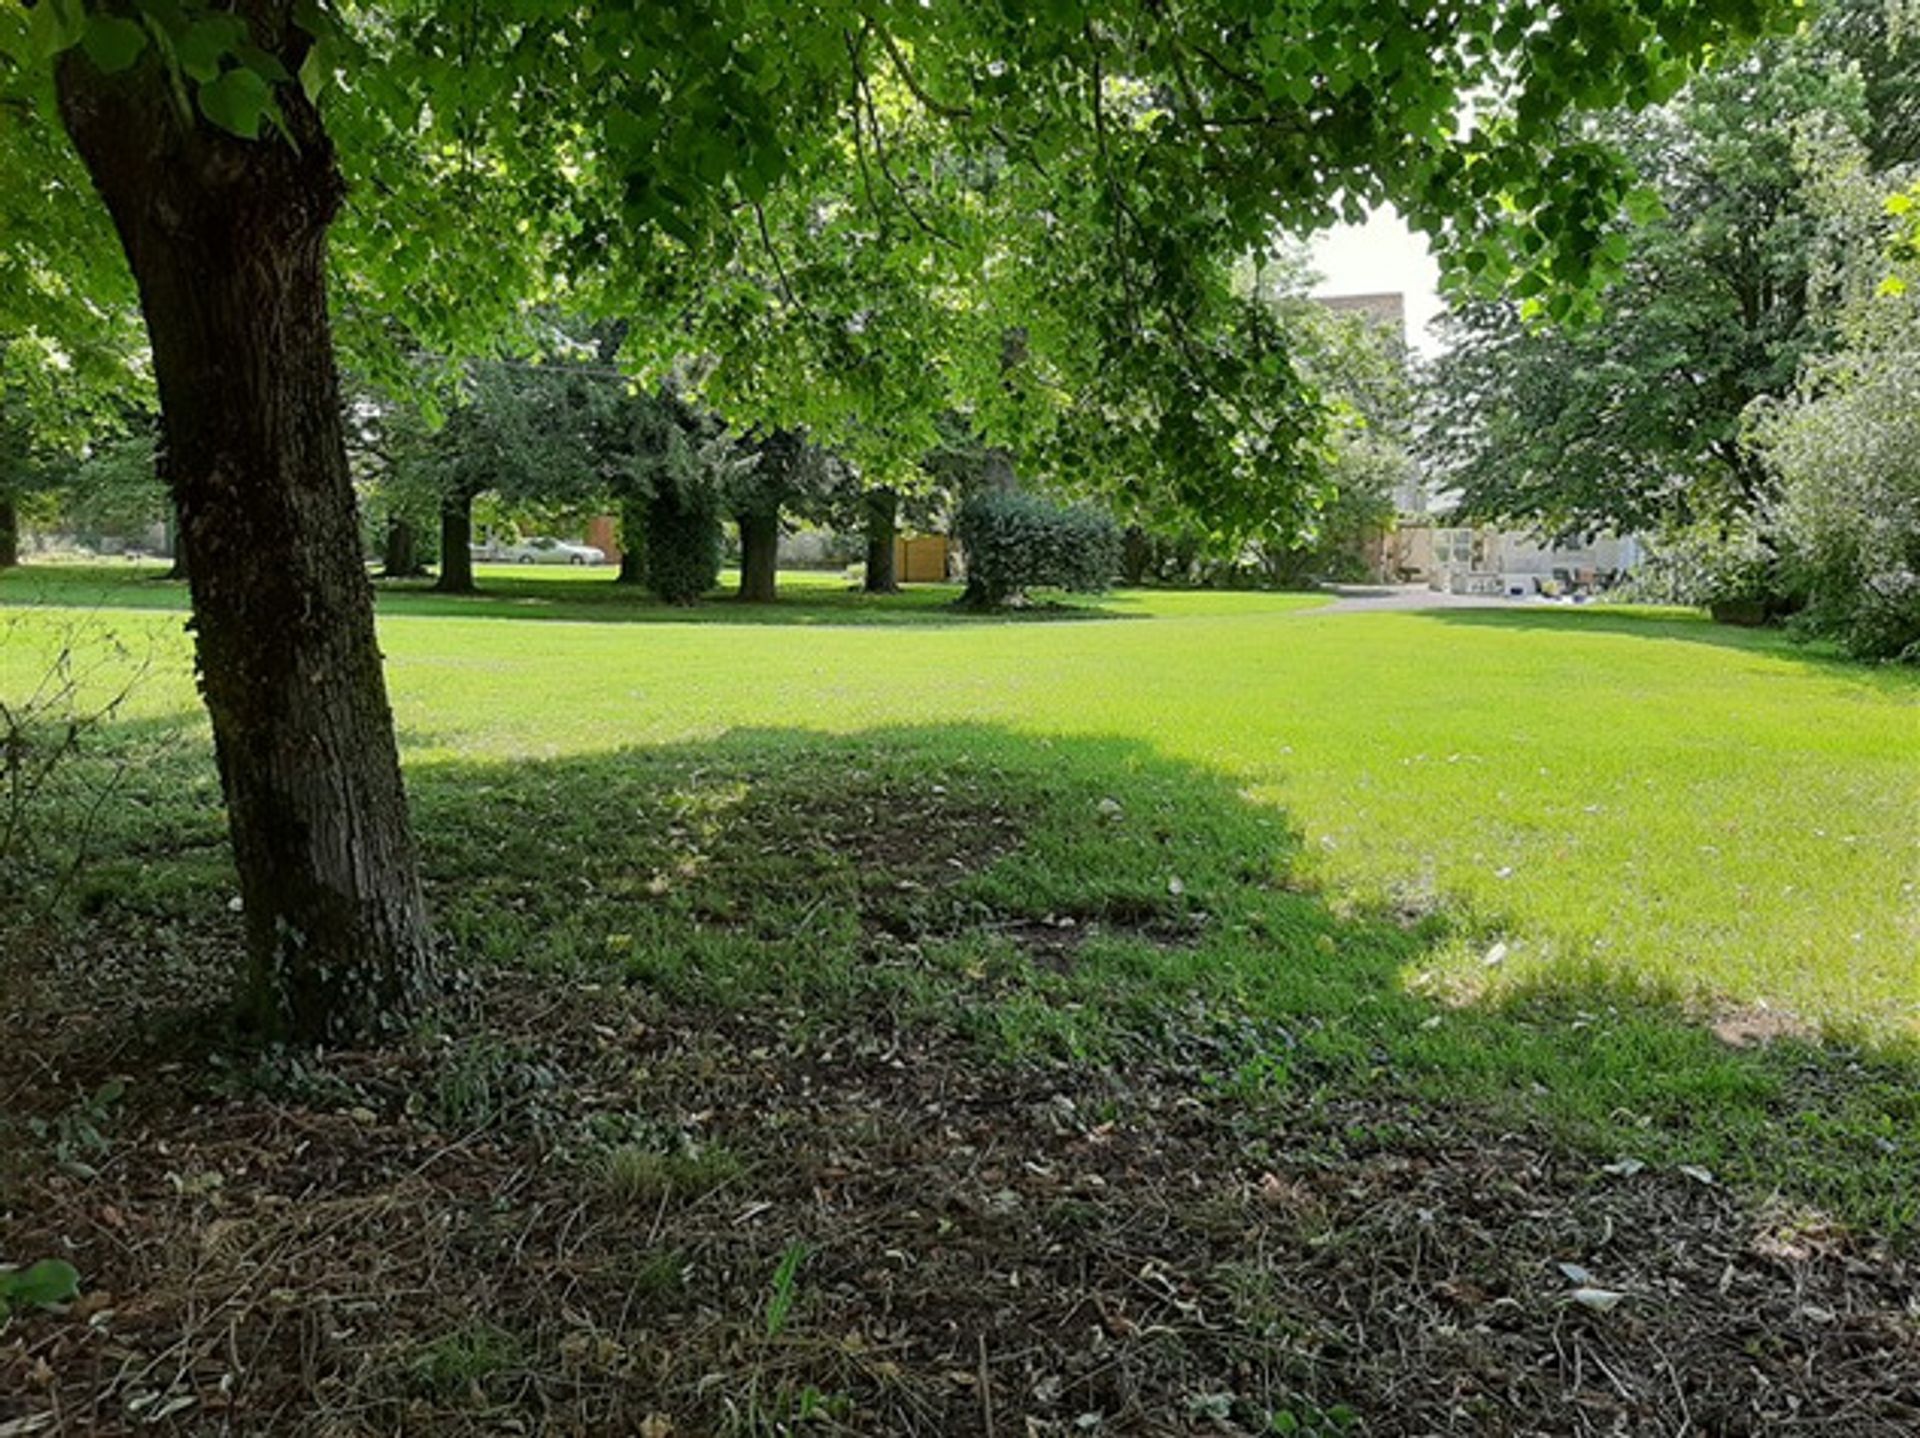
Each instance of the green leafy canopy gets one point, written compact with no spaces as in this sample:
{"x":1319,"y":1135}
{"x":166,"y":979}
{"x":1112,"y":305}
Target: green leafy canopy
{"x":1085,"y":176}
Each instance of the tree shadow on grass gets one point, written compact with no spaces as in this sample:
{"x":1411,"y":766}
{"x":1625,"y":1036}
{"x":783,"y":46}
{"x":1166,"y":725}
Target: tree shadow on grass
{"x":1080,"y":898}
{"x":1666,"y":625}
{"x":594,"y":599}
{"x":802,"y":604}
{"x":1029,"y":1060}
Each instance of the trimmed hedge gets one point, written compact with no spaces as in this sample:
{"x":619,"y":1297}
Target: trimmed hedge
{"x":1016,"y":541}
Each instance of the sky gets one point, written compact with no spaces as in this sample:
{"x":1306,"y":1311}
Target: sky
{"x":1377,"y":257}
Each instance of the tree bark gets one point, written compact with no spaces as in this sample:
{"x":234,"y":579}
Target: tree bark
{"x":633,"y":541}
{"x":456,"y":544}
{"x":402,"y":557}
{"x":177,"y":542}
{"x":9,"y":532}
{"x":882,"y":516}
{"x":227,"y":241}
{"x":759,"y":557}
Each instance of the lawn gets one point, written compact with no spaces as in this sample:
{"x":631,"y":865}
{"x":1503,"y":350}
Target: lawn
{"x":1494,"y":907}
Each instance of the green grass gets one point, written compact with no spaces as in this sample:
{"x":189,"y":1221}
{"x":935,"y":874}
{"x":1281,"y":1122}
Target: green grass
{"x":636,"y":1174}
{"x":1324,"y":823}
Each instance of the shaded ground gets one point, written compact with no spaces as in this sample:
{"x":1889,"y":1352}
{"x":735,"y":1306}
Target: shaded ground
{"x":378,"y":1244}
{"x":934,"y":1082}
{"x":583,"y":595}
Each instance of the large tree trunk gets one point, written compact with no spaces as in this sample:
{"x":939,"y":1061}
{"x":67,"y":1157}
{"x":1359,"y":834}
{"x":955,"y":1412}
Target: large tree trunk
{"x":759,"y":557}
{"x":882,"y":516}
{"x":456,"y":544}
{"x":633,"y":541}
{"x":402,"y":557}
{"x":9,"y":532}
{"x":176,"y":542}
{"x":227,"y":241}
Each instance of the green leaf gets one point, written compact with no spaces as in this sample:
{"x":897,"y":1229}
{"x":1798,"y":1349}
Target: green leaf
{"x":1644,"y":205}
{"x":317,"y":69}
{"x":312,"y":17}
{"x":113,"y":42}
{"x":50,"y":1281}
{"x":263,"y":63}
{"x":239,"y":101}
{"x":207,"y":42}
{"x":54,"y":27}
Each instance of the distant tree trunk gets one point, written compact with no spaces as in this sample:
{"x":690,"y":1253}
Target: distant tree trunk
{"x":759,"y":557}
{"x":978,"y":596}
{"x":9,"y":532}
{"x":1136,"y":555}
{"x":402,"y":557}
{"x":227,"y":241}
{"x":882,"y":514}
{"x":633,"y":541}
{"x":456,"y":544}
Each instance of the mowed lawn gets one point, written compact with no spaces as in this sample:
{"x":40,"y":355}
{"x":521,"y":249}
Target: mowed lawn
{"x":1643,"y":795}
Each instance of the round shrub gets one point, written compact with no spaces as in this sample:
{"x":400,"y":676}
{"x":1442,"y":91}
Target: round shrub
{"x":1016,"y":541}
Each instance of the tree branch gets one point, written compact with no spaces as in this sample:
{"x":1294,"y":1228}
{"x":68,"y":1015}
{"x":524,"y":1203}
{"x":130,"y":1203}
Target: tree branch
{"x":880,"y":153}
{"x":914,"y":87}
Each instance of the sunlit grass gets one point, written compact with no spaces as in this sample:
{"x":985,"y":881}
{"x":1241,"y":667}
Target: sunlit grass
{"x":1651,"y":797}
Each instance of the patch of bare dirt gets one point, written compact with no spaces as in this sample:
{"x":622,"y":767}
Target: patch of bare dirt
{"x":1758,"y":1024}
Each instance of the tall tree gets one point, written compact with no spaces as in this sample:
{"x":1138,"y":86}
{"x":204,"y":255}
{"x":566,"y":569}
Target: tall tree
{"x":58,"y":408}
{"x":515,"y":429}
{"x":490,"y":138}
{"x":788,"y":472}
{"x":1634,"y":421}
{"x":1844,"y":445}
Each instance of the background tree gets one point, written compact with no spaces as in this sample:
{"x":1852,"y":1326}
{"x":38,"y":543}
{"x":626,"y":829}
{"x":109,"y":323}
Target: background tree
{"x":515,"y":429}
{"x":684,"y":462}
{"x":1634,"y":422}
{"x":58,"y":410}
{"x":115,"y":490}
{"x":788,"y":473}
{"x":203,"y":130}
{"x":1349,"y":470}
{"x":1844,"y":444}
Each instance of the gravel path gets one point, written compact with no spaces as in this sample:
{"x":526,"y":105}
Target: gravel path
{"x":1375,"y":598}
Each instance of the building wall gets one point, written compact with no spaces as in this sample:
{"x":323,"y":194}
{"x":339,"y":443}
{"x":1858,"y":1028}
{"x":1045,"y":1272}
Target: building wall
{"x":603,"y":533}
{"x":1388,"y":310}
{"x":1445,"y":555}
{"x":921,"y":560}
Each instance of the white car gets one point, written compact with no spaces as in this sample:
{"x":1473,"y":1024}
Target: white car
{"x":543,"y":550}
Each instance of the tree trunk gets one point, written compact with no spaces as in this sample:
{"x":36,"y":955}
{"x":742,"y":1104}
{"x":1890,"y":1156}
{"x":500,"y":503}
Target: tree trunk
{"x":456,"y":544}
{"x":759,"y":557}
{"x":633,"y":541}
{"x":882,"y":515}
{"x":9,"y":532}
{"x":402,"y":558}
{"x":176,"y":543}
{"x":977,"y":595}
{"x":227,"y":241}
